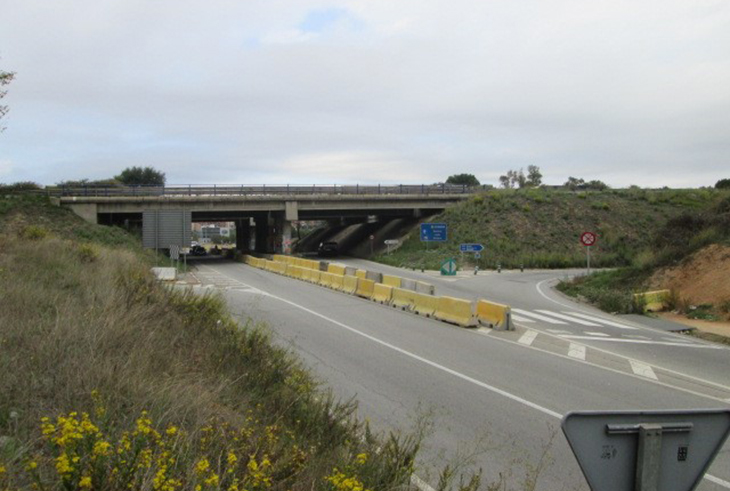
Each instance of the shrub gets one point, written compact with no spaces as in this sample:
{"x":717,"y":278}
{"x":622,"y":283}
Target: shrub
{"x":34,"y":232}
{"x":88,"y":253}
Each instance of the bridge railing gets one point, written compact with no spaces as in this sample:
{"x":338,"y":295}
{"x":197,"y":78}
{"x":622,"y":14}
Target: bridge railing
{"x":259,"y":190}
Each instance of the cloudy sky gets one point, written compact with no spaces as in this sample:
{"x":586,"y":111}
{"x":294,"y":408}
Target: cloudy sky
{"x":390,"y":91}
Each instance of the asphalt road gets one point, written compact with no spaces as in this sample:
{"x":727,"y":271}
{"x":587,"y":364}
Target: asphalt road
{"x":494,"y":399}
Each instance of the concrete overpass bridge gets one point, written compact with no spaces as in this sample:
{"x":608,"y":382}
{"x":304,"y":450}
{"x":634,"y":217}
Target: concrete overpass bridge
{"x":266,"y":211}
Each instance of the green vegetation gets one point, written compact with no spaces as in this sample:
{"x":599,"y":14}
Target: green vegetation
{"x":5,"y":79}
{"x":678,"y":238}
{"x":723,"y":184}
{"x":464,"y":179}
{"x":112,"y":381}
{"x":540,"y":228}
{"x":139,"y":176}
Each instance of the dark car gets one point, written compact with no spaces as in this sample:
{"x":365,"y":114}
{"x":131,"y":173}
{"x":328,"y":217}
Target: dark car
{"x":329,"y":248}
{"x":198,"y":250}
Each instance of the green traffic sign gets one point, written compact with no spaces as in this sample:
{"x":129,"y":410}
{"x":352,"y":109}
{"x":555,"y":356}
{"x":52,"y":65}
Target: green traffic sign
{"x":448,"y":268}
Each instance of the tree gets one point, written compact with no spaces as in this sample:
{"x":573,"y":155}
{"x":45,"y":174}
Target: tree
{"x":463,"y":179}
{"x":515,"y":178}
{"x":574,"y":183}
{"x":5,"y":79}
{"x":723,"y":184}
{"x":138,"y":176}
{"x":534,"y":176}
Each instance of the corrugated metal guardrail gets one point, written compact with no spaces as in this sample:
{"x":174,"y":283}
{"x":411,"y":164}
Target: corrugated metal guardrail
{"x":257,"y":190}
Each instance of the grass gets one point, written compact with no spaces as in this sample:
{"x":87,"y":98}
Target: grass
{"x":540,"y":228}
{"x":145,"y":387}
{"x":680,"y":237}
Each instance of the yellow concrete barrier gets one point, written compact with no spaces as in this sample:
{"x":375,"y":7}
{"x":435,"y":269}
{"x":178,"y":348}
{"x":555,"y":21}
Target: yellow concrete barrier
{"x":314,"y":278}
{"x":424,"y":304}
{"x":653,"y":301}
{"x":338,"y":281}
{"x":494,"y":314}
{"x":382,"y":293}
{"x":365,"y":288}
{"x":456,"y":311}
{"x":361,"y":273}
{"x":349,"y":284}
{"x":325,"y":279}
{"x":402,"y":298}
{"x":336,"y":269}
{"x":393,"y":281}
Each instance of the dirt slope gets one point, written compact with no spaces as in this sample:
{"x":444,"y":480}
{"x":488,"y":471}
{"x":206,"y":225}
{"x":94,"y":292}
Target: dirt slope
{"x":702,"y":278}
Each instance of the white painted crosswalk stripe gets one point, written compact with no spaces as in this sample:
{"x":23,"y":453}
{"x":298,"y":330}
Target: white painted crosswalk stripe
{"x":577,"y":351}
{"x":519,"y":318}
{"x":538,"y":316}
{"x":599,"y":334}
{"x":568,"y":318}
{"x":598,"y":319}
{"x":528,"y":338}
{"x":642,"y":369}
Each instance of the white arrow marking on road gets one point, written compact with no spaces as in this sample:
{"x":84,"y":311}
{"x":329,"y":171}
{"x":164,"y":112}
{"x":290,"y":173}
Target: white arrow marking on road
{"x":538,"y":316}
{"x":642,"y":369}
{"x":568,"y":318}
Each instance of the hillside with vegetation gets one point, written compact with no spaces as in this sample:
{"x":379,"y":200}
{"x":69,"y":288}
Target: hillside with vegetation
{"x":688,"y":254}
{"x":541,"y":227}
{"x":112,"y":381}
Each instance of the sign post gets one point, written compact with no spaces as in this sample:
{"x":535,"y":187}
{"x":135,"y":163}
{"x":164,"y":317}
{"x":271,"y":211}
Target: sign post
{"x":390,"y":242}
{"x":588,"y":239}
{"x":646,"y":450}
{"x":372,"y":241}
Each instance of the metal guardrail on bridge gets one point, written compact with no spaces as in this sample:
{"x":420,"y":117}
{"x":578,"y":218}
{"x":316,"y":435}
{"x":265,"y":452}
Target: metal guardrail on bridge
{"x":259,"y":190}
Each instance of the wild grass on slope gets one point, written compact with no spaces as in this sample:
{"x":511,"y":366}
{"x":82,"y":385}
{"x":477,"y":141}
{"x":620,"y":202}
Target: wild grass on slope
{"x":142,"y":387}
{"x":675,"y":241}
{"x":540,"y":228}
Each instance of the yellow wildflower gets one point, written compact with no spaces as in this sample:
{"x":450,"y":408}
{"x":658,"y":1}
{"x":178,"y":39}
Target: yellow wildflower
{"x":85,"y":482}
{"x":31,"y":465}
{"x":101,"y":448}
{"x":361,"y":458}
{"x":202,"y":466}
{"x":231,"y":459}
{"x":212,"y":480}
{"x":63,"y":465}
{"x":171,"y":431}
{"x":3,"y":470}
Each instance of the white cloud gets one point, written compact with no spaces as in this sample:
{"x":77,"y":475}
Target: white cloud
{"x":233,"y":91}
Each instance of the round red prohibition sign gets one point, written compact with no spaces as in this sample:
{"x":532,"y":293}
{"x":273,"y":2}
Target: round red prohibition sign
{"x":588,"y":238}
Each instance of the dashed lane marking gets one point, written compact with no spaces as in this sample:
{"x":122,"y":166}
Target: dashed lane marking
{"x":528,"y":338}
{"x":538,"y":317}
{"x":577,"y":351}
{"x":599,"y":334}
{"x":642,"y":369}
{"x":568,"y":318}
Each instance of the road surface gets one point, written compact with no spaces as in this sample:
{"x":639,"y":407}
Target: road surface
{"x":494,"y":399}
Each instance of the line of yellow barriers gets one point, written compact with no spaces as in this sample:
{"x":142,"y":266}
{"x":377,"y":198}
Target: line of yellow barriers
{"x":408,"y":295}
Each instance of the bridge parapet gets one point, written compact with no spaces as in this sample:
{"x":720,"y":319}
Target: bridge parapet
{"x":259,"y":190}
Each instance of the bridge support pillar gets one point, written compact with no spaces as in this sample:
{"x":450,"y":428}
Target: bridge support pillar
{"x":87,"y":211}
{"x":285,"y":229}
{"x":243,"y":234}
{"x":262,"y":234}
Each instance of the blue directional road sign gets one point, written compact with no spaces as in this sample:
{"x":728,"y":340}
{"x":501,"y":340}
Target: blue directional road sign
{"x":471,"y":247}
{"x":433,"y":232}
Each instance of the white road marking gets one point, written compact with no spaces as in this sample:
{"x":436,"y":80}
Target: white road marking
{"x":636,"y":336}
{"x":485,"y":331}
{"x":642,"y":369}
{"x":638,"y":341}
{"x":558,"y":331}
{"x":528,"y":338}
{"x":538,"y":316}
{"x":460,"y":375}
{"x":687,"y":341}
{"x":568,"y":318}
{"x":599,"y":334}
{"x":577,"y":351}
{"x":601,"y":320}
{"x":519,"y":318}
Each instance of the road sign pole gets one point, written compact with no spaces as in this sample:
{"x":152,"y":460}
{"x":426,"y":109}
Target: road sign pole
{"x":649,"y":457}
{"x":588,"y":258}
